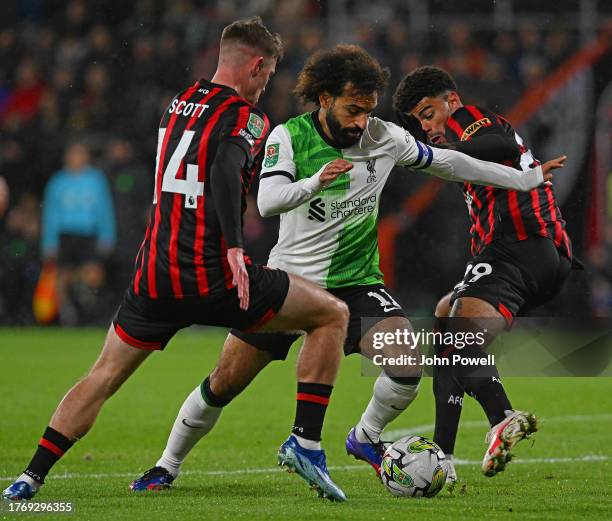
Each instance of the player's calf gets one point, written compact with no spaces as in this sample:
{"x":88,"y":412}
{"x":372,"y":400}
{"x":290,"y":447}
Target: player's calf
{"x":76,"y":413}
{"x":237,"y":366}
{"x":324,"y":318}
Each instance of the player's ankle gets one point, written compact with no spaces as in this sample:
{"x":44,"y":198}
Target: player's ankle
{"x":30,"y":481}
{"x":172,"y":467}
{"x":305,"y":443}
{"x":365,"y":434}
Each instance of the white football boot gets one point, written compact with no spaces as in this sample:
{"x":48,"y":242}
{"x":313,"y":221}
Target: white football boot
{"x":502,"y":438}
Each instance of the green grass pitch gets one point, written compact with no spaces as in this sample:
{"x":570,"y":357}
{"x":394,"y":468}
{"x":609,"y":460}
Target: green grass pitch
{"x":232,"y":474}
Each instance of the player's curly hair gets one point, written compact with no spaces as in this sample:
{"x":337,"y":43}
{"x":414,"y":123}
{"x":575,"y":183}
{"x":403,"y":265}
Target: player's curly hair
{"x":422,"y":82}
{"x":330,"y":70}
{"x":253,"y":32}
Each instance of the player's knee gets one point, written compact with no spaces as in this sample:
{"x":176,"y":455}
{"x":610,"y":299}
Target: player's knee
{"x":226,"y":392}
{"x":443,"y":307}
{"x":223,"y":386}
{"x":340,"y":312}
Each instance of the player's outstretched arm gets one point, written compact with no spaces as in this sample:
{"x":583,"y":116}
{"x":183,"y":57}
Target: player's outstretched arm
{"x":455,"y":166}
{"x":278,"y":193}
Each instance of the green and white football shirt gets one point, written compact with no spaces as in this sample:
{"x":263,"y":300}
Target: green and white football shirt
{"x":332,"y":239}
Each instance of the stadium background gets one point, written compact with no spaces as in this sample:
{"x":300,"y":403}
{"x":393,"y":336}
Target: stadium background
{"x":103,"y":72}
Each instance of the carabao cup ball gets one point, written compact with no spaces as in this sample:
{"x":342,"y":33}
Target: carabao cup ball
{"x":414,"y":467}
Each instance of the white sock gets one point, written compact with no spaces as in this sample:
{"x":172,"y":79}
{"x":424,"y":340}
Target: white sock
{"x":195,"y":419}
{"x":389,"y":400}
{"x":30,"y":481}
{"x":308,"y":444}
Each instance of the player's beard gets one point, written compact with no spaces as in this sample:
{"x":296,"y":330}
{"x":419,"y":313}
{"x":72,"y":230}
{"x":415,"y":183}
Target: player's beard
{"x":343,"y":137}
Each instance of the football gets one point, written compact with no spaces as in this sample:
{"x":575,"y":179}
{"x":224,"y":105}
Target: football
{"x":414,"y":467}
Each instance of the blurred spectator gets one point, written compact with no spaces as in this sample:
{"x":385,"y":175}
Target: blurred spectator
{"x":70,"y":52}
{"x":558,"y":45}
{"x":101,"y":46}
{"x":461,"y":40}
{"x":13,"y":162}
{"x":78,"y":231}
{"x":9,"y":54}
{"x":132,"y":189}
{"x":25,"y":98}
{"x":170,"y":62}
{"x":19,"y":260}
{"x":76,"y":21}
{"x":507,"y":51}
{"x":92,"y":109}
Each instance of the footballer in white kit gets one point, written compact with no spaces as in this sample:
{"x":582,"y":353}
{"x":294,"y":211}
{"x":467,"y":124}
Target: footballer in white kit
{"x":329,"y":235}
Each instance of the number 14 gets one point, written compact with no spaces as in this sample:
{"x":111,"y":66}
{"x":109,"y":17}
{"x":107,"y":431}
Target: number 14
{"x":190,"y":187}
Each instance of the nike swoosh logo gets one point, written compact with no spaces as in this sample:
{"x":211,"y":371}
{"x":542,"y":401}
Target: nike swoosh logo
{"x":191,"y":426}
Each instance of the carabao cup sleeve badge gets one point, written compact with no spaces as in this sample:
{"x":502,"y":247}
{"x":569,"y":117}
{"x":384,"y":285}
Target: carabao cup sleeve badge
{"x":271,"y":155}
{"x":255,"y":125}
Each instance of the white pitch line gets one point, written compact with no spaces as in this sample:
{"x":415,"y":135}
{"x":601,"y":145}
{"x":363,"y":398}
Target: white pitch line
{"x":395,"y":434}
{"x":400,"y":433}
{"x":272,"y":470}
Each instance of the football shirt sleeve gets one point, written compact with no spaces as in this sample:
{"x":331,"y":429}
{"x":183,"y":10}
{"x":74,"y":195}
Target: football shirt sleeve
{"x":278,"y":190}
{"x":247,"y":127}
{"x":226,"y":188}
{"x":455,"y":166}
{"x":278,"y":158}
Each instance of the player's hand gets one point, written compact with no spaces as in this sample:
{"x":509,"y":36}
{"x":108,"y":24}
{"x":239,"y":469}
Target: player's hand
{"x":235,"y":257}
{"x":412,"y":125}
{"x":334,"y":170}
{"x":551,"y":165}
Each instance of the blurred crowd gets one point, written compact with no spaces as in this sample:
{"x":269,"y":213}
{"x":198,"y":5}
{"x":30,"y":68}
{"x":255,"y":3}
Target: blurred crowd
{"x":82,"y":88}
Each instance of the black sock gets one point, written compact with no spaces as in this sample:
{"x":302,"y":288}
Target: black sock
{"x":211,"y":398}
{"x":484,"y":383}
{"x":51,"y":447}
{"x":312,"y":400}
{"x":491,"y":396}
{"x":448,"y":394}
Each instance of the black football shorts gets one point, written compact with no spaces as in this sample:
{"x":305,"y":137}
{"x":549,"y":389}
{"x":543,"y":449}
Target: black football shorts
{"x":515,"y":277}
{"x":150,"y":323}
{"x":76,"y":250}
{"x":363,"y":301}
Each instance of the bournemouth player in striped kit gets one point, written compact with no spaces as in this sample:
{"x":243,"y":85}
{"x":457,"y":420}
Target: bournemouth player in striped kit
{"x":521,"y":255}
{"x":191,"y":268}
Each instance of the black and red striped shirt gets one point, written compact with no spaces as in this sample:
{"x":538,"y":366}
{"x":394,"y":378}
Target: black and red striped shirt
{"x":496,"y":213}
{"x":184,"y":250}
